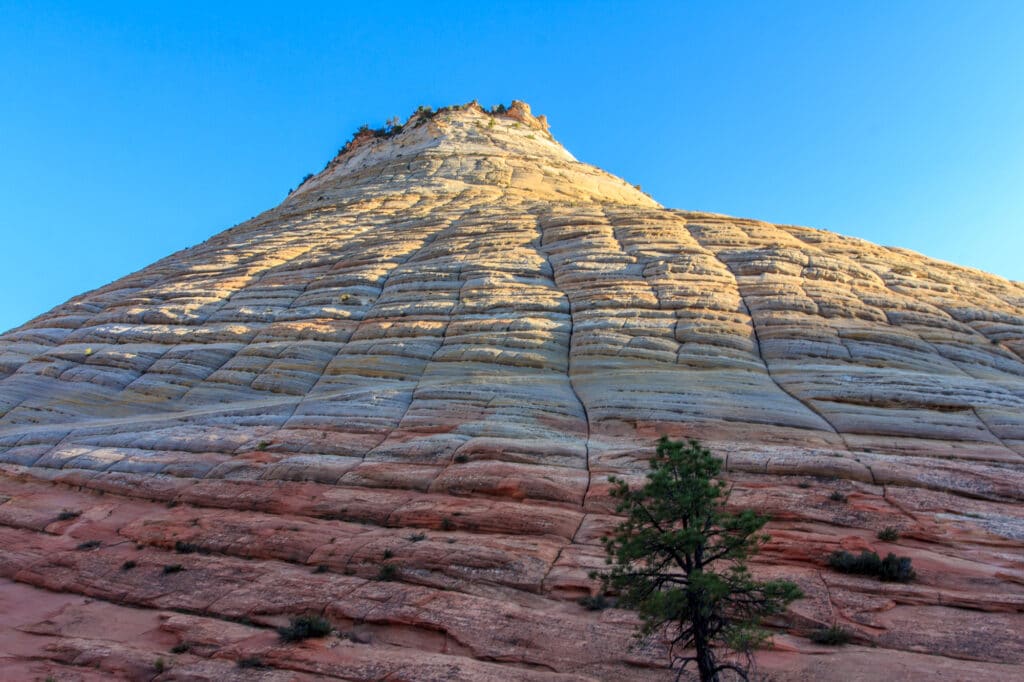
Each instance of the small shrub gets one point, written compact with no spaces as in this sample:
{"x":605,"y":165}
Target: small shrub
{"x":387,"y":572}
{"x":896,"y":569}
{"x":322,"y":568}
{"x":173,"y":568}
{"x":89,"y":544}
{"x":263,"y":445}
{"x":461,"y":459}
{"x":159,"y":665}
{"x":417,"y":537}
{"x":128,"y":565}
{"x":182,"y":547}
{"x":304,"y":627}
{"x":594,"y":603}
{"x":892,"y":568}
{"x":68,"y":514}
{"x":388,"y":554}
{"x":803,"y":484}
{"x":832,"y":636}
{"x":867,"y":563}
{"x":889,"y":534}
{"x":181,"y":648}
{"x":447,"y":524}
{"x":837,"y":496}
{"x":250,"y":662}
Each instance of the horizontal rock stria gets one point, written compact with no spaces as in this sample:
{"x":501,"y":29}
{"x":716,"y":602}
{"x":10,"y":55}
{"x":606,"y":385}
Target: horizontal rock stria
{"x":432,"y":355}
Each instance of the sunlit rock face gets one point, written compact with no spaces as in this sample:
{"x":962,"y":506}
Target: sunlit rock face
{"x":431,"y":356}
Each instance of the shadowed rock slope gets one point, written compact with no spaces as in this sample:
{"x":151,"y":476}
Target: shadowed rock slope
{"x":430,"y":356}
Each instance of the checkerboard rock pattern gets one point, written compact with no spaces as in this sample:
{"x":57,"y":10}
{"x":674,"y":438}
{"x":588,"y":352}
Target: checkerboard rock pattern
{"x":431,"y":356}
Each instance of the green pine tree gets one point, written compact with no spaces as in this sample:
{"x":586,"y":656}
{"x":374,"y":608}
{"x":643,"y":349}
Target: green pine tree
{"x":679,"y":559}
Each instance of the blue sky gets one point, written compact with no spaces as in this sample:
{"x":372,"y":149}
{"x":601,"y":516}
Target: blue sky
{"x":131,"y":130}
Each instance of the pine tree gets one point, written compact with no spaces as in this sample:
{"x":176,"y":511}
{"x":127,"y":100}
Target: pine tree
{"x":679,"y":558}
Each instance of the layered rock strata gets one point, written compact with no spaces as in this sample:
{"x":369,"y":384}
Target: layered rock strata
{"x":431,"y":356}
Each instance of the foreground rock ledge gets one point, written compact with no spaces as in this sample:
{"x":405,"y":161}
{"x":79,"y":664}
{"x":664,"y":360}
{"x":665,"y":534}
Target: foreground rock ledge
{"x":431,"y":355}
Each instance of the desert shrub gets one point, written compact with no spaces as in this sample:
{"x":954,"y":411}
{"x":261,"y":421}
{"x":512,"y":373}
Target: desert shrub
{"x":182,"y":547}
{"x":304,"y":627}
{"x":159,"y":665}
{"x":128,"y":565}
{"x":388,"y":554}
{"x":837,"y":496}
{"x":447,"y":524}
{"x":181,"y":648}
{"x":892,"y":568}
{"x":250,"y":662}
{"x":596,"y":602}
{"x":263,"y":445}
{"x":89,"y":544}
{"x":387,"y":572}
{"x":173,"y":568}
{"x":833,"y":636}
{"x":461,"y":459}
{"x":68,"y":514}
{"x":322,"y":568}
{"x":889,"y":534}
{"x":896,"y":569}
{"x":866,"y":563}
{"x":417,"y":537}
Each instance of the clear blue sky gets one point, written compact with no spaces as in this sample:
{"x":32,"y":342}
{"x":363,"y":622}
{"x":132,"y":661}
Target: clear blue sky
{"x":131,"y":130}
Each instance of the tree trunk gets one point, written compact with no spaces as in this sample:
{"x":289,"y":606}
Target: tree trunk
{"x":706,"y":663}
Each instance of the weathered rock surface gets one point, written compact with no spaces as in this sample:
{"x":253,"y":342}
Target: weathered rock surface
{"x":431,"y":356}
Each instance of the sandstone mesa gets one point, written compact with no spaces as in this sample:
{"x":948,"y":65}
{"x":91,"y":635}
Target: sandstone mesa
{"x":431,"y":355}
